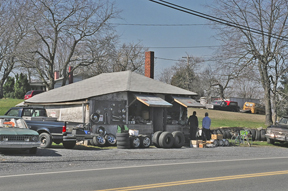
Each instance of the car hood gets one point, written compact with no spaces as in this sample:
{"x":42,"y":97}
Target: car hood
{"x":17,"y":131}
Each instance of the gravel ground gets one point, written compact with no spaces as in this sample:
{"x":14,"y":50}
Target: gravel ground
{"x":53,"y":159}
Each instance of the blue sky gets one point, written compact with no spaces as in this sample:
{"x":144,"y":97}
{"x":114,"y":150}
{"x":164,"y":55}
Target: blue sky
{"x":146,"y":12}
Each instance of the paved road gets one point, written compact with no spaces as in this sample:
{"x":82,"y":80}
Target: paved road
{"x":223,"y":168}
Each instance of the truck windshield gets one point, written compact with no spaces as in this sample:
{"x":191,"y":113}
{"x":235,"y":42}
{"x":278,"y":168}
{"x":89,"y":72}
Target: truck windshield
{"x":283,"y":121}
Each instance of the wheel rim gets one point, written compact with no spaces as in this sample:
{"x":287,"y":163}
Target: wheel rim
{"x":146,"y":142}
{"x":43,"y":141}
{"x":111,"y":139}
{"x":136,"y":142}
{"x":100,"y":139}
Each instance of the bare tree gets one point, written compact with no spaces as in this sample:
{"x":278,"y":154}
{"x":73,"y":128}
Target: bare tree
{"x":129,"y":57}
{"x":62,"y":30}
{"x":258,"y":36}
{"x":13,"y":30}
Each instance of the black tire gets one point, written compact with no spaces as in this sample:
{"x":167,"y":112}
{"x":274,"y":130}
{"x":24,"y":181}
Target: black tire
{"x":123,"y":143}
{"x":101,"y":131}
{"x":221,"y":143}
{"x":118,"y":135}
{"x":122,"y":138}
{"x":226,"y":142}
{"x":270,"y":141}
{"x":45,"y":140}
{"x":253,"y":133}
{"x":110,"y":139}
{"x":258,"y":135}
{"x":145,"y":141}
{"x":99,"y":140}
{"x":263,"y":132}
{"x":135,"y":141}
{"x":166,"y":140}
{"x":33,"y":150}
{"x":123,"y":147}
{"x":179,"y":139}
{"x":216,"y":143}
{"x":69,"y":144}
{"x":155,"y":138}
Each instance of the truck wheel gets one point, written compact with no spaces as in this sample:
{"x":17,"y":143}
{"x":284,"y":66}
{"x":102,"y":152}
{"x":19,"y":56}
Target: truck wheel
{"x":155,"y":138}
{"x":69,"y":144}
{"x":33,"y":150}
{"x":179,"y":139}
{"x":99,"y":141}
{"x":166,"y":140}
{"x":45,"y":140}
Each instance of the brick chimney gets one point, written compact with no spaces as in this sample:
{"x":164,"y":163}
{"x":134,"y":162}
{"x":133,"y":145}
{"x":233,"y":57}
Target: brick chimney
{"x":56,"y":75}
{"x":149,"y":64}
{"x":70,"y":73}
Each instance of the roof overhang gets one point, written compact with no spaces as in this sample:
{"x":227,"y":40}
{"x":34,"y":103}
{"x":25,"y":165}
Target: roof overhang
{"x":187,"y":102}
{"x":152,"y":101}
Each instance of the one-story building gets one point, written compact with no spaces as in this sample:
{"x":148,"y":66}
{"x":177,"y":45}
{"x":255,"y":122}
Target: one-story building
{"x":119,"y":98}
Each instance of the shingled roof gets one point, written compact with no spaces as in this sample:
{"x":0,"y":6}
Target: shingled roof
{"x":107,"y":83}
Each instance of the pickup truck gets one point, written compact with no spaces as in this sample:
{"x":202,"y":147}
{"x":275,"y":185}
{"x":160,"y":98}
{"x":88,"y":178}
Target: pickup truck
{"x":49,"y":129}
{"x":278,"y":132}
{"x":224,"y":105}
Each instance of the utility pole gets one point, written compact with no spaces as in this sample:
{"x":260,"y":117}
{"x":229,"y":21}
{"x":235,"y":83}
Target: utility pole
{"x":187,"y":72}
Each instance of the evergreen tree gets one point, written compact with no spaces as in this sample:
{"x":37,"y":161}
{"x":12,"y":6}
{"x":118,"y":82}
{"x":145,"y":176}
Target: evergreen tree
{"x":8,"y":87}
{"x":21,"y":86}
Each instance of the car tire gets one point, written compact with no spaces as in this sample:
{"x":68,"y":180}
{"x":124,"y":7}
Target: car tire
{"x":221,"y":143}
{"x":45,"y":140}
{"x":33,"y":150}
{"x":110,"y":139}
{"x":166,"y":140}
{"x":155,"y":138}
{"x":69,"y":144}
{"x":99,"y":140}
{"x":135,"y":142}
{"x":270,"y":141}
{"x":263,"y":132}
{"x":258,"y":135}
{"x":253,"y":133}
{"x":179,"y":139}
{"x":145,"y":141}
{"x":123,"y":141}
{"x":216,"y":143}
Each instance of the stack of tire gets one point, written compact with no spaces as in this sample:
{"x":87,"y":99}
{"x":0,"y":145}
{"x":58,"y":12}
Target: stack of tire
{"x":166,"y":139}
{"x":258,"y":134}
{"x":102,"y":138}
{"x":125,"y":141}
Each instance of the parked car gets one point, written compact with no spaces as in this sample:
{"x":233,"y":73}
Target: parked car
{"x":278,"y":132}
{"x":251,"y":107}
{"x":224,"y":105}
{"x":31,"y":93}
{"x":15,"y":134}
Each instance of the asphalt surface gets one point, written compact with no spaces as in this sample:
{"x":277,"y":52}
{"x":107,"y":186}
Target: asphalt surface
{"x":94,"y":169}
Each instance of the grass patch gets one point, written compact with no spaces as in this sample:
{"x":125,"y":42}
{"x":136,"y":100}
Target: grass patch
{"x":230,"y":119}
{"x":7,"y":103}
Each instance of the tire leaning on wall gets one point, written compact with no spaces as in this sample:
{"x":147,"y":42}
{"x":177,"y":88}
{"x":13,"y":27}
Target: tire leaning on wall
{"x":179,"y":139}
{"x":166,"y":140}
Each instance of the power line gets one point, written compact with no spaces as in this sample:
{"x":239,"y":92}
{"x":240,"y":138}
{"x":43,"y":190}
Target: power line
{"x":182,"y":47}
{"x":158,"y":25}
{"x":218,"y":20}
